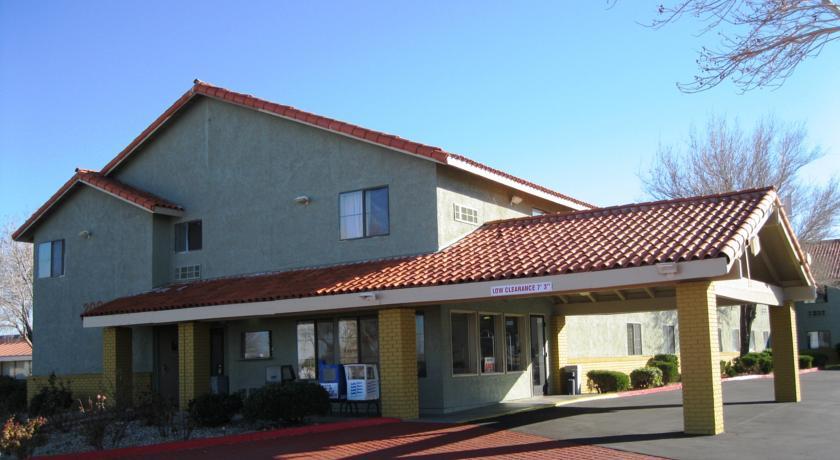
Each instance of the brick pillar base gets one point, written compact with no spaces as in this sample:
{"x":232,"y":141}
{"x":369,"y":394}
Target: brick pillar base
{"x":117,"y":367}
{"x":699,"y":353}
{"x":785,"y":354}
{"x":193,"y":361}
{"x":559,"y":349}
{"x":398,"y":363}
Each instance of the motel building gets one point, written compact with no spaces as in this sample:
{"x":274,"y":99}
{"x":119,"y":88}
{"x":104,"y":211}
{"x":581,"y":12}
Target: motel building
{"x":236,"y":241}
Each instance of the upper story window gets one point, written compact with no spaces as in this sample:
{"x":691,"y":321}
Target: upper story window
{"x":466,"y":214}
{"x":51,"y":259}
{"x":188,"y":236}
{"x":537,"y":212}
{"x":364,"y":213}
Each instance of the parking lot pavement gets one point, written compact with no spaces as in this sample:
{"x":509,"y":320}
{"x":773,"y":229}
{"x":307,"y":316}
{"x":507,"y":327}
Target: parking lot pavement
{"x":756,"y":426}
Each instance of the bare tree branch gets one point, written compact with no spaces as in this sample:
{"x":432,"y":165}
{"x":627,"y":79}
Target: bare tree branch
{"x":761,"y":42}
{"x":16,"y":278}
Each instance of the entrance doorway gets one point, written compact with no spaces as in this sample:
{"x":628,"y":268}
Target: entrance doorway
{"x":538,"y":355}
{"x":166,"y":362}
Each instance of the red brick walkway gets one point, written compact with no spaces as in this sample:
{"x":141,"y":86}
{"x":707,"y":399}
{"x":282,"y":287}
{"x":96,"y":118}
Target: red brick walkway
{"x":408,"y":440}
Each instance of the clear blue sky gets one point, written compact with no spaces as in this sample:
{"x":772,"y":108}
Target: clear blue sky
{"x":574,"y":98}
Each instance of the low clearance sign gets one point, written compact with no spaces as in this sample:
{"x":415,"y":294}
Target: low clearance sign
{"x":516,"y":289}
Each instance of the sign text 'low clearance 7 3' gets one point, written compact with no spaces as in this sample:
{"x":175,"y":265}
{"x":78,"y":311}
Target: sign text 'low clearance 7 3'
{"x":517,"y":289}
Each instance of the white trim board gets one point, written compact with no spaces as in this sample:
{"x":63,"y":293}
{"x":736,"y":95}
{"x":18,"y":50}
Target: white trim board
{"x":568,"y":283}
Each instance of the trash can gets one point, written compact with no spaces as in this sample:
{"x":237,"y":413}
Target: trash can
{"x":572,"y":374}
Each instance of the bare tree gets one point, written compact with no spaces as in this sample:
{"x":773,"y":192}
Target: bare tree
{"x":725,"y":158}
{"x":761,"y":41}
{"x":15,"y":283}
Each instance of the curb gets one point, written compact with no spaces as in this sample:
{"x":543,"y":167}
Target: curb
{"x":765,"y":376}
{"x":176,"y":446}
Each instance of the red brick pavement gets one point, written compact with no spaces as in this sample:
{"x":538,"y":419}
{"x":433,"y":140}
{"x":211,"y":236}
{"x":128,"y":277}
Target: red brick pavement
{"x":403,"y":440}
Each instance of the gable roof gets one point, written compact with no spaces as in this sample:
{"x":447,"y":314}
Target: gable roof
{"x":826,"y":255}
{"x":390,"y":141}
{"x":634,"y":235}
{"x":14,"y":348}
{"x":132,"y":195}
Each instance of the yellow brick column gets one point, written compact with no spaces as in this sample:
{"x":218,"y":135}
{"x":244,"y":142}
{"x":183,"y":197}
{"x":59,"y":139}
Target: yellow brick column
{"x":699,"y":356}
{"x":193,"y":361}
{"x":559,"y":349}
{"x":785,"y":354}
{"x":117,"y":367}
{"x":398,"y":363}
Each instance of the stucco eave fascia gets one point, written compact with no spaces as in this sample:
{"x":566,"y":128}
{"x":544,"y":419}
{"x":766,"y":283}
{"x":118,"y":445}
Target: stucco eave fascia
{"x":567,"y":283}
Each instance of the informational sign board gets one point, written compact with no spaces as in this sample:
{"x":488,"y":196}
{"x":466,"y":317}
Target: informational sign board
{"x":519,"y":289}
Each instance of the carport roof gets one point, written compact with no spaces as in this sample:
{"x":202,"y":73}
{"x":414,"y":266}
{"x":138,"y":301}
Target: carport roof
{"x":634,"y":235}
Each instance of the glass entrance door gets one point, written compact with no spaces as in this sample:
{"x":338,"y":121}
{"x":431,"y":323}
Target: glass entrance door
{"x":538,"y":355}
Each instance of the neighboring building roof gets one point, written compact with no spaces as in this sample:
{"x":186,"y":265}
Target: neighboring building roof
{"x":626,"y":236}
{"x":14,"y":349}
{"x":826,"y":259}
{"x":113,"y":187}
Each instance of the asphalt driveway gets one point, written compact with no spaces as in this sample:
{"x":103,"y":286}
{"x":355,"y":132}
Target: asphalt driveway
{"x":756,"y":427}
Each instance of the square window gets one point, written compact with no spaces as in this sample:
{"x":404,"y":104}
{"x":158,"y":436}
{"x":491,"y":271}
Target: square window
{"x":188,"y":236}
{"x":256,"y":345}
{"x":364,"y":213}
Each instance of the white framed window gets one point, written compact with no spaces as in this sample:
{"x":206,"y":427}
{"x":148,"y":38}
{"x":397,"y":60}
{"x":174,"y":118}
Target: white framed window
{"x":50,"y":259}
{"x":256,"y":345}
{"x":363,"y":213}
{"x":634,"y":339}
{"x":819,"y":339}
{"x":670,"y":337}
{"x":736,"y":340}
{"x":463,"y":327}
{"x":490,"y":342}
{"x":188,"y":236}
{"x":465,"y":214}
{"x":188,"y":272}
{"x":514,"y":332}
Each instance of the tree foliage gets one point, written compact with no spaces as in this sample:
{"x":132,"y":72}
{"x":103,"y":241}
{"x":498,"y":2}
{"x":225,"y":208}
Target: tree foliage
{"x":761,"y":42}
{"x":16,"y":277}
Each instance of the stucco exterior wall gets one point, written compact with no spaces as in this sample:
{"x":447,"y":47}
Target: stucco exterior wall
{"x":239,"y":171}
{"x":460,"y":392}
{"x":492,"y":201}
{"x":821,"y":315}
{"x":115,"y":261}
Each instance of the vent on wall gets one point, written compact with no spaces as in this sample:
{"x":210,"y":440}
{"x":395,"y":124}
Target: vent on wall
{"x":188,"y":272}
{"x":465,"y":214}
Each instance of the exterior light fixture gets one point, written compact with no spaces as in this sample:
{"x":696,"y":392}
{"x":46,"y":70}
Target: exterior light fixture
{"x":85,"y":234}
{"x":667,"y":268}
{"x":303,"y":199}
{"x":514,"y":199}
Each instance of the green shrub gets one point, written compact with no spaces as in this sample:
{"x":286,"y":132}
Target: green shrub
{"x":214,"y":410}
{"x":608,"y":381}
{"x":12,"y":395}
{"x":670,"y":371}
{"x":290,"y":402}
{"x":646,"y":377}
{"x":727,"y":369}
{"x":51,"y":399}
{"x":806,"y":362}
{"x":668,"y":358}
{"x":753,"y":363}
{"x":820,"y":359}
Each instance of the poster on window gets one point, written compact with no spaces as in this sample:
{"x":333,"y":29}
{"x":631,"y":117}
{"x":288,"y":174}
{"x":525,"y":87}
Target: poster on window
{"x":489,"y":364}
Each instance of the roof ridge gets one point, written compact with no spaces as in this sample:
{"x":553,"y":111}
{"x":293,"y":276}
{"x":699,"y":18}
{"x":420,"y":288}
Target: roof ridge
{"x":610,"y":209}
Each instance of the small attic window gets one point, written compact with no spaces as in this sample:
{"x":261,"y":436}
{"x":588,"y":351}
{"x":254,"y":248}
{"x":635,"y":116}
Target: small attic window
{"x":466,"y":214}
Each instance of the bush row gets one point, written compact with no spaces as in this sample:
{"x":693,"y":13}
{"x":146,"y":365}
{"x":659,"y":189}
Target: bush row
{"x":659,"y":370}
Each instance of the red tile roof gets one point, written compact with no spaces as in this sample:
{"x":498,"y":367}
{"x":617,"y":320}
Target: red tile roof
{"x":368,"y":135}
{"x":826,"y":259}
{"x":586,"y":241}
{"x":108,"y":185}
{"x":15,"y":348}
